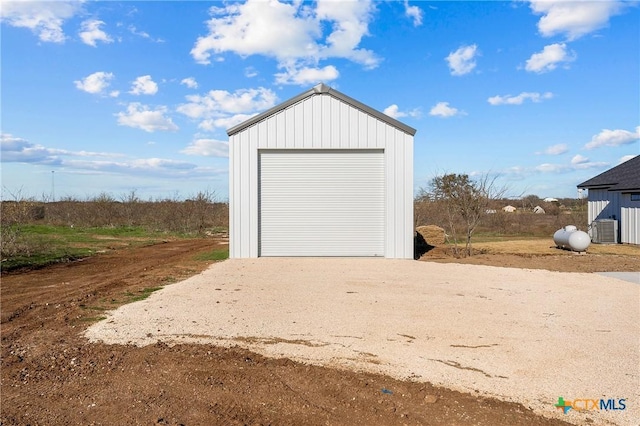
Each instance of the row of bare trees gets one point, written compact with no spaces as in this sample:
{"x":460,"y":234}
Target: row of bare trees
{"x":201,"y":214}
{"x":463,"y":205}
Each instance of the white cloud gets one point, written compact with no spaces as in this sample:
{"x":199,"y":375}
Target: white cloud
{"x":626,"y":158}
{"x":190,"y":82}
{"x":250,"y":72}
{"x":549,"y":58}
{"x":15,"y":149}
{"x":613,"y":138}
{"x":144,"y":85}
{"x":519,"y":99}
{"x":393,"y":111}
{"x":141,"y":117}
{"x":557,"y":149}
{"x":296,"y":34}
{"x":350,"y":22}
{"x":96,"y":83}
{"x":207,"y":148}
{"x":91,"y":33}
{"x":133,"y":30}
{"x":551,"y":168}
{"x":219,"y":108}
{"x":307,"y":75}
{"x":574,"y":18}
{"x":462,"y":61}
{"x":413,"y":12}
{"x":44,"y":18}
{"x":18,"y":150}
{"x":211,"y":124}
{"x":442,"y":109}
{"x":577,"y":163}
{"x":579,"y":159}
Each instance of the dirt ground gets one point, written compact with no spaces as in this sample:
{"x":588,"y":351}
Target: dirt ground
{"x":52,"y":375}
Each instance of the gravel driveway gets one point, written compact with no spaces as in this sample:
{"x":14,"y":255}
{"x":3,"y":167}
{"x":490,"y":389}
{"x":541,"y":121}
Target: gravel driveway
{"x":528,"y":336}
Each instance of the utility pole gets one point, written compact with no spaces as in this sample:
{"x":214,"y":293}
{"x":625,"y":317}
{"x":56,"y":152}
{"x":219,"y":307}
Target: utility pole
{"x":53,"y":186}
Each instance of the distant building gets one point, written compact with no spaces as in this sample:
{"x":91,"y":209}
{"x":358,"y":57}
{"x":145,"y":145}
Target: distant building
{"x":538,"y":210}
{"x":509,"y":209}
{"x":615,"y":194}
{"x":550,"y":200}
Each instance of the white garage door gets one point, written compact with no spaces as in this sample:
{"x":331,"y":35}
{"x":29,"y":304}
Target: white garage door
{"x":322,"y":203}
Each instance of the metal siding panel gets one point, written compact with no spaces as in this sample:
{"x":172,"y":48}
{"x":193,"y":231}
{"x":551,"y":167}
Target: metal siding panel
{"x":261,"y":132}
{"x":363,"y":136}
{"x":334,"y":123}
{"x":254,"y":138}
{"x":236,"y":233}
{"x":629,"y":220}
{"x":345,"y":123}
{"x":298,"y":125}
{"x":232,"y":209}
{"x":325,"y":122}
{"x":353,"y":129}
{"x":245,"y":201}
{"x":408,"y":231}
{"x":271,"y":135}
{"x":280,"y":131}
{"x":307,"y":119}
{"x":316,"y":107}
{"x":289,"y":128}
{"x":398,"y":190}
{"x":390,"y":180}
{"x":322,"y":203}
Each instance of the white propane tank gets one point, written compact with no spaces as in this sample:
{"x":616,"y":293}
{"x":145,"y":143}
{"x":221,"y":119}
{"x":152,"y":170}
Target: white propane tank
{"x":571,"y":239}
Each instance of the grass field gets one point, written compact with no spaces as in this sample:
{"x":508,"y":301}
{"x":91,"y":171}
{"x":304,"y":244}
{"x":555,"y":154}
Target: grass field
{"x":42,"y":245}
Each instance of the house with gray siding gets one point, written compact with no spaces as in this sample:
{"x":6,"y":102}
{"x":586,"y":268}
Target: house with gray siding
{"x":615,"y":195}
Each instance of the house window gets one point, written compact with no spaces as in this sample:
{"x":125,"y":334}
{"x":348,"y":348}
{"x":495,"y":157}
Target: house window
{"x":635,"y":196}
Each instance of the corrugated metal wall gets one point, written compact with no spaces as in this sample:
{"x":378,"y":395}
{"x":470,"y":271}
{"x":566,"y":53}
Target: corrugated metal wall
{"x":629,"y":220}
{"x":605,"y":204}
{"x":321,"y":122}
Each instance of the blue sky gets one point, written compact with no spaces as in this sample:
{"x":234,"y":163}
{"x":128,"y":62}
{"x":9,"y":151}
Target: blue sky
{"x":113,"y":97}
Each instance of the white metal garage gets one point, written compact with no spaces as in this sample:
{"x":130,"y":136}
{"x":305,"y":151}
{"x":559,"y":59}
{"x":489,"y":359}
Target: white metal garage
{"x":321,"y":175}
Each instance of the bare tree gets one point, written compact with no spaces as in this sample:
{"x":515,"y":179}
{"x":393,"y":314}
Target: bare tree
{"x":466,"y":200}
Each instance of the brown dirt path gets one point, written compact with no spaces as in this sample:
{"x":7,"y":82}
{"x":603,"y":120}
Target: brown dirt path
{"x":51,"y":375}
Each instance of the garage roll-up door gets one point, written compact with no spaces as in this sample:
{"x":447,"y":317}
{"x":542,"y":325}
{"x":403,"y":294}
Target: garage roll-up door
{"x":321,"y":203}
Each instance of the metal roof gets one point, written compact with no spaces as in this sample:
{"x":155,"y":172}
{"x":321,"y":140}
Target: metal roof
{"x":623,"y":177}
{"x":318,"y":90}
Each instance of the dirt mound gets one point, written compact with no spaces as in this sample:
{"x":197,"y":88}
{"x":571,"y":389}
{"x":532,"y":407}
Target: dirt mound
{"x":432,"y":234}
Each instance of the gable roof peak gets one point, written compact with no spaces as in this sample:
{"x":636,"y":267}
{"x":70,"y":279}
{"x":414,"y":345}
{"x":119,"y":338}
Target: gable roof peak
{"x":323,"y":89}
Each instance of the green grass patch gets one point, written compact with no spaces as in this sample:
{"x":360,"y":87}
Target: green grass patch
{"x":92,"y":319}
{"x":93,"y":308}
{"x":141,"y":295}
{"x":32,"y":246}
{"x":44,"y":258}
{"x":213,"y":255}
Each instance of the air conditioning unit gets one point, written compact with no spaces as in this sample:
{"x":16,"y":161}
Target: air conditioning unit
{"x":604,"y":231}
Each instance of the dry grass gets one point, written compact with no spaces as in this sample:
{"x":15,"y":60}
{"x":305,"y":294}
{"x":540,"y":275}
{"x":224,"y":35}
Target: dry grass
{"x":546,"y":246}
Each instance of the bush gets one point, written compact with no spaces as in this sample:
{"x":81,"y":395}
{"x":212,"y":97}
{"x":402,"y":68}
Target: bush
{"x":200,"y":215}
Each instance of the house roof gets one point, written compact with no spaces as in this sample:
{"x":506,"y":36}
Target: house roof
{"x":317,"y":90}
{"x":623,"y":177}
